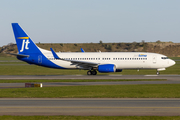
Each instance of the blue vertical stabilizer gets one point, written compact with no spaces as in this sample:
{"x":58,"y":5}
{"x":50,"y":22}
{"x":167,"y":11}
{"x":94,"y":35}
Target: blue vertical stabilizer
{"x":24,"y":43}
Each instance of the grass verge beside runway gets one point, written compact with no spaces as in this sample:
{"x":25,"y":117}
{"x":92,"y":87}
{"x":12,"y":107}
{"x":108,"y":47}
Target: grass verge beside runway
{"x":76,"y":80}
{"x":97,"y":91}
{"x":89,"y":117}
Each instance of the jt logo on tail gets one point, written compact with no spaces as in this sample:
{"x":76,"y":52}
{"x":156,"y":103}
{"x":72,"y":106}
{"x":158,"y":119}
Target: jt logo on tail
{"x":24,"y":42}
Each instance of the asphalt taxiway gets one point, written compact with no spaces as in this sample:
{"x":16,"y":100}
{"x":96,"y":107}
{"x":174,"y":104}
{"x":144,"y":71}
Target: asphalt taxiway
{"x":90,"y":106}
{"x":58,"y":84}
{"x":169,"y":79}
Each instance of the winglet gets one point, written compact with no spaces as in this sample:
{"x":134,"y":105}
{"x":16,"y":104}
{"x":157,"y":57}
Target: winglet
{"x":54,"y":54}
{"x":82,"y":50}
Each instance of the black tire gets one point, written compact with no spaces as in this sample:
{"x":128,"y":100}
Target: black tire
{"x":94,"y":72}
{"x":157,"y":73}
{"x":89,"y":72}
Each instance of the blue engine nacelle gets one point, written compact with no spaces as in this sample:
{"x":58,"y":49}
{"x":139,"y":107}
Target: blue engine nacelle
{"x":108,"y":68}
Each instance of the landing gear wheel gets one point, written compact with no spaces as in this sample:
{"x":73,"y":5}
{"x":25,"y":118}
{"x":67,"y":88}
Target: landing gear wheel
{"x":157,"y":73}
{"x":89,"y":72}
{"x":94,"y":72}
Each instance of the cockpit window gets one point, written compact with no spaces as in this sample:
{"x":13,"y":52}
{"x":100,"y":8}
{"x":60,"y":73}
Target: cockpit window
{"x":164,"y":58}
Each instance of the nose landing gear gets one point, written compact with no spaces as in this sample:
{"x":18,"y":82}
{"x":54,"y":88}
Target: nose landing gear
{"x":93,"y":72}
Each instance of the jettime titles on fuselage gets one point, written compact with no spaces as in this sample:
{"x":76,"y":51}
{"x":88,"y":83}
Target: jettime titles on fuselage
{"x":142,"y":55}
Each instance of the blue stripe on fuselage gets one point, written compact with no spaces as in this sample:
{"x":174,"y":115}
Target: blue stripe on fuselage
{"x":41,"y":60}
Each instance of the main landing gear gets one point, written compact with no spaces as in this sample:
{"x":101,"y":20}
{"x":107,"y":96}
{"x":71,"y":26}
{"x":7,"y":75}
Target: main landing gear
{"x":91,"y":72}
{"x":157,"y":73}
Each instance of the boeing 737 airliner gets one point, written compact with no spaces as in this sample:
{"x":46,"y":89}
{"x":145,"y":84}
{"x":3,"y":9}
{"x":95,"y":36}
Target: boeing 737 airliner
{"x":92,"y":61}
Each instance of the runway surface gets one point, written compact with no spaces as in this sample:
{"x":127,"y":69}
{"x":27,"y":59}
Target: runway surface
{"x":168,"y":77}
{"x":171,"y":79}
{"x":90,"y":106}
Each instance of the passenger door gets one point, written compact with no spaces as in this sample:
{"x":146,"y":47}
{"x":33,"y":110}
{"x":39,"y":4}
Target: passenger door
{"x":154,"y":59}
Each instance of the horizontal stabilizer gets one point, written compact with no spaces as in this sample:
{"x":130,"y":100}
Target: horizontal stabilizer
{"x":54,"y":54}
{"x":20,"y":55}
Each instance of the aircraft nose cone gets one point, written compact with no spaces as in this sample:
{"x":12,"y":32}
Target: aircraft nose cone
{"x":172,"y":62}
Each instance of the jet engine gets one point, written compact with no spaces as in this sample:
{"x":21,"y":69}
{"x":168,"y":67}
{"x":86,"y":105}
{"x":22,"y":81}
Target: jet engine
{"x":105,"y":68}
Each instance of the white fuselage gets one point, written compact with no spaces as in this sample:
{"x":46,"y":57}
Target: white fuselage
{"x":122,"y":60}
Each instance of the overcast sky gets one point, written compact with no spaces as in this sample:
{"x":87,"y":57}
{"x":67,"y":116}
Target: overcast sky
{"x":85,"y":21}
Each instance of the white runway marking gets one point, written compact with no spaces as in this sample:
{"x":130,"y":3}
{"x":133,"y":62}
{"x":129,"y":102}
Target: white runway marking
{"x":114,"y":75}
{"x":150,"y":75}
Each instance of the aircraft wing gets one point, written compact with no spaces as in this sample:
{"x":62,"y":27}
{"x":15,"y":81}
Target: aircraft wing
{"x":80,"y":64}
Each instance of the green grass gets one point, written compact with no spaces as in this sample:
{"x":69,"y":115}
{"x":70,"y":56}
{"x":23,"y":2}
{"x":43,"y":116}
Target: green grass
{"x":175,"y":58}
{"x":97,"y":91}
{"x":14,"y":63}
{"x":77,"y":80}
{"x":8,"y":58}
{"x":5,"y":117}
